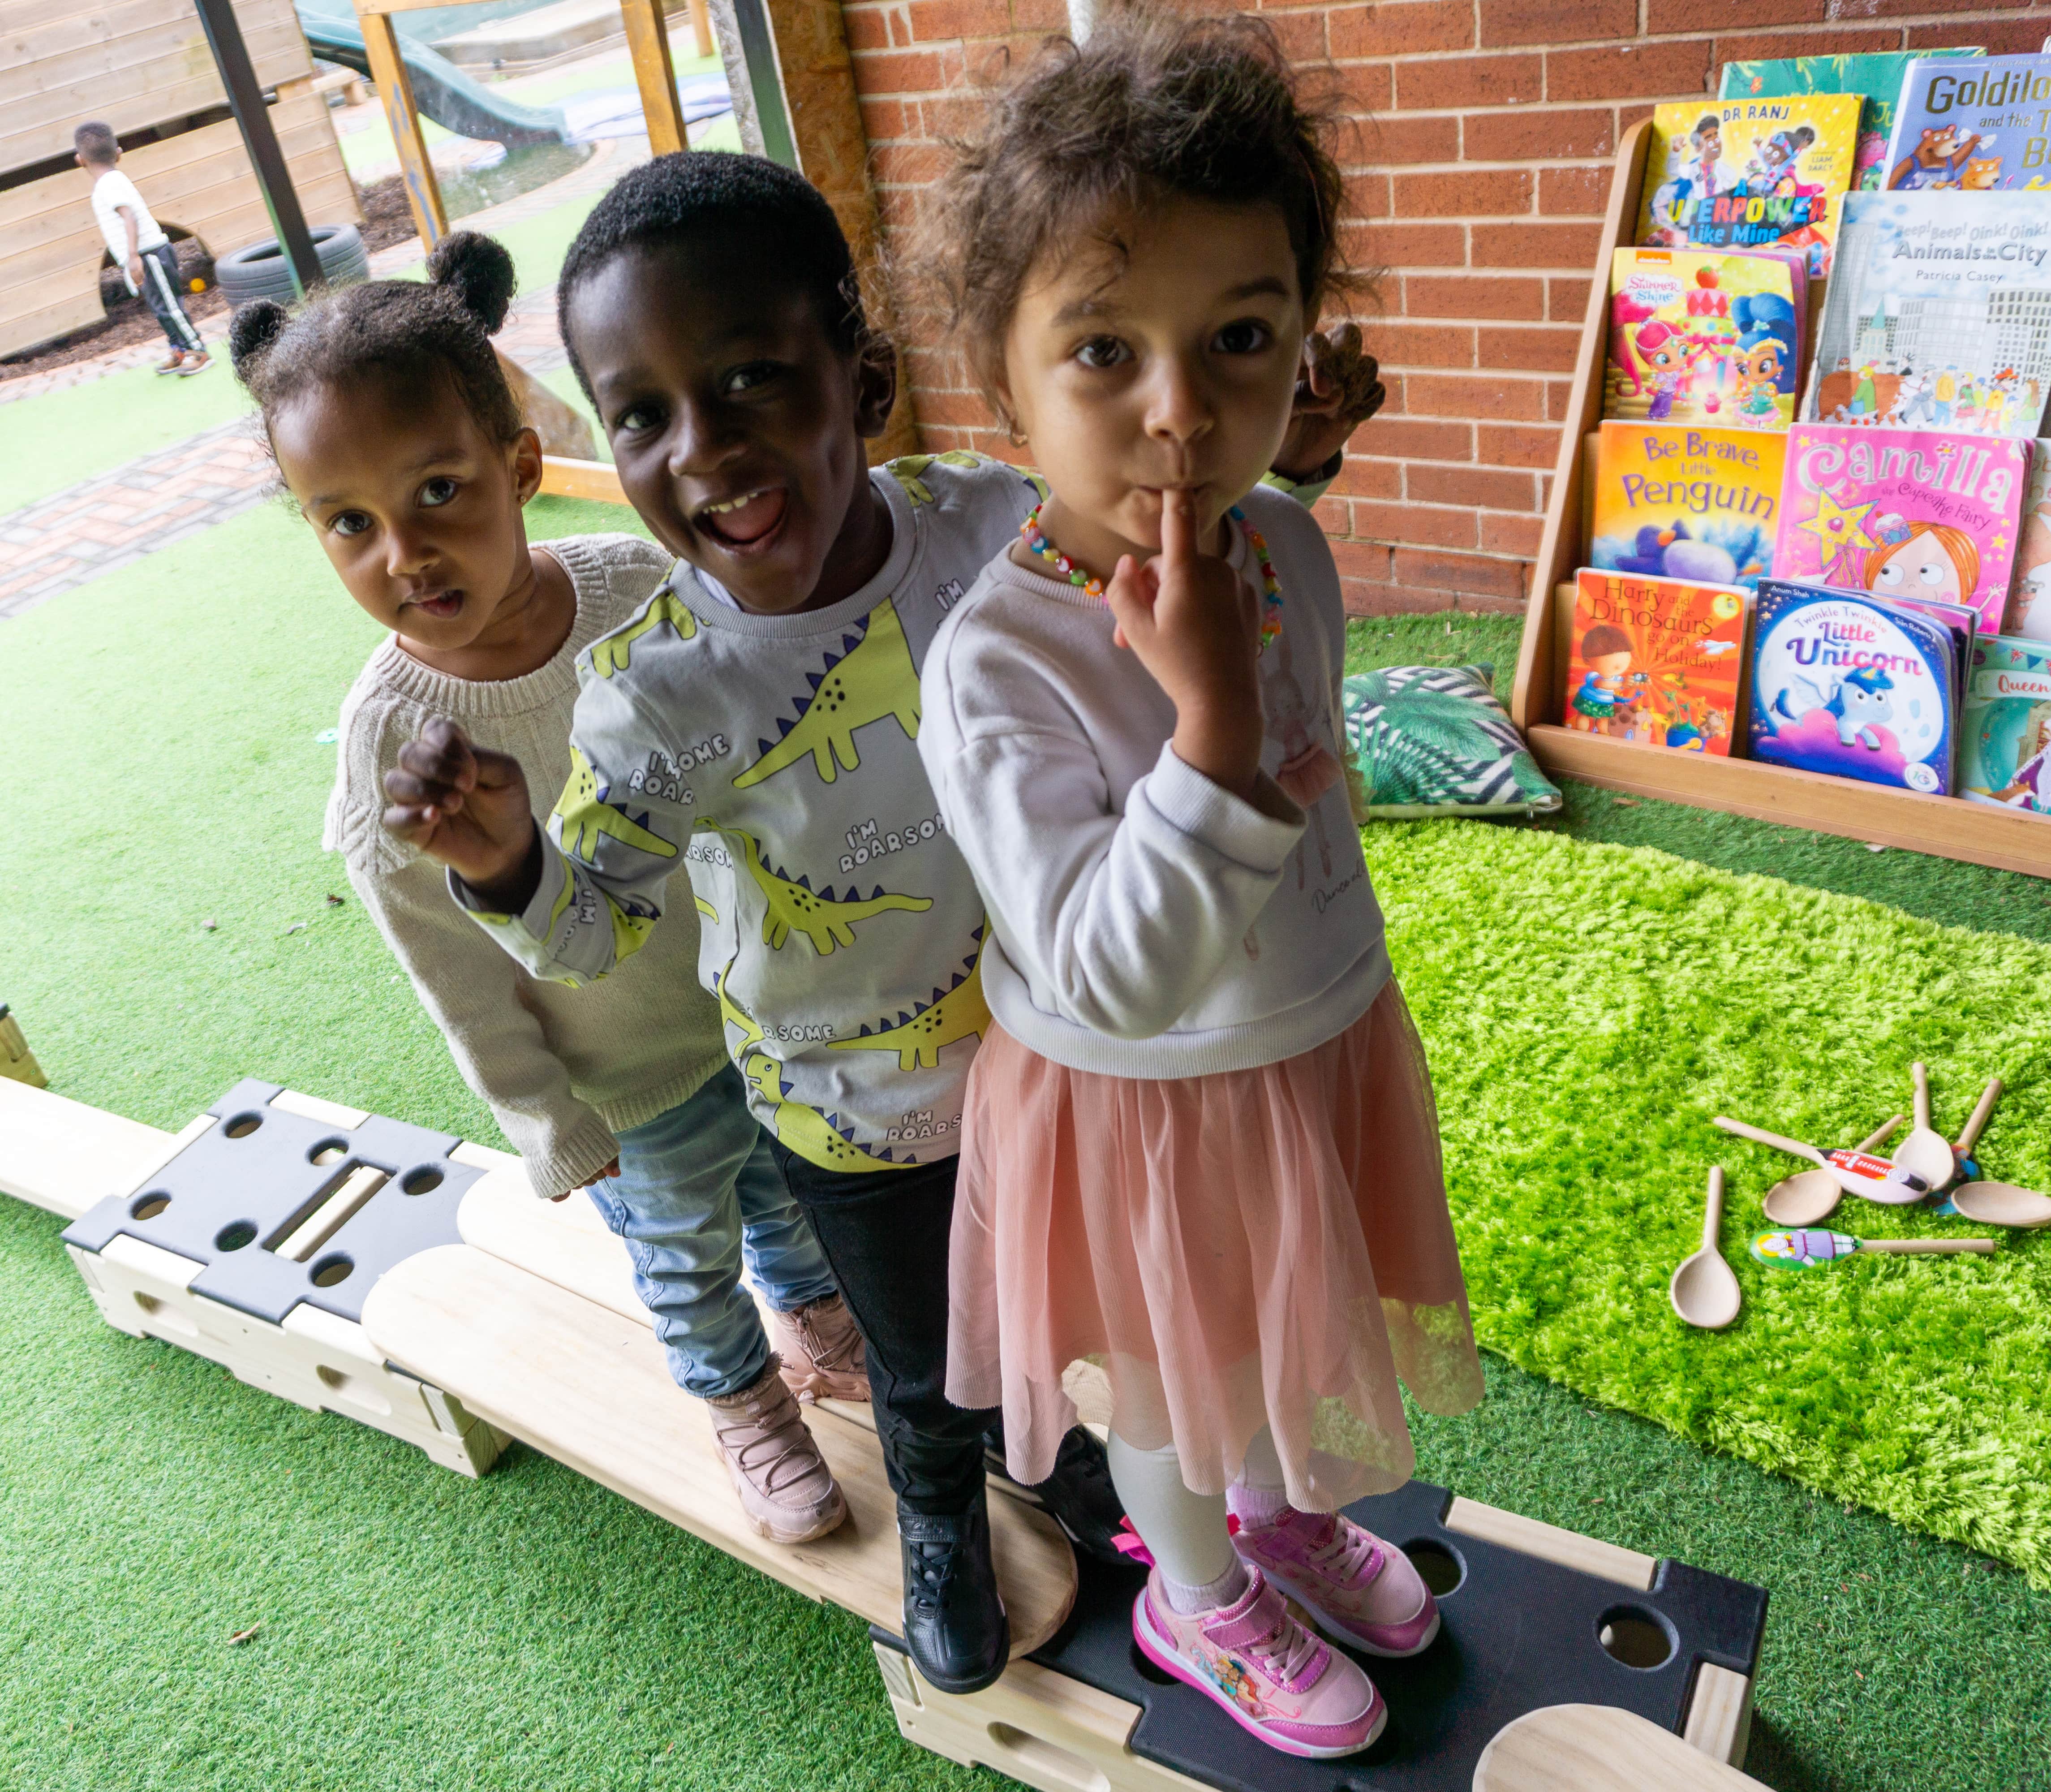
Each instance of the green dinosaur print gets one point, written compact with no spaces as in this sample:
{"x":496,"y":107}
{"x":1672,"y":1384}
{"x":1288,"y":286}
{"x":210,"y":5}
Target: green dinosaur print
{"x":705,"y":908}
{"x":586,"y":815}
{"x":907,"y":467}
{"x":873,"y":679}
{"x":810,"y":1133}
{"x":958,"y":1013}
{"x":826,"y":920}
{"x":732,"y":1014}
{"x":611,"y":654}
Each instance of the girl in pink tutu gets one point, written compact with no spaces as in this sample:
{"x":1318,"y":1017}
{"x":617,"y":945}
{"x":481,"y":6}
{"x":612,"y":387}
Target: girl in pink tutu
{"x":1199,"y":1148}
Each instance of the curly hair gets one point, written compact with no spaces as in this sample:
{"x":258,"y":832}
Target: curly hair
{"x":792,"y":236}
{"x":1154,"y":107}
{"x":403,"y":332}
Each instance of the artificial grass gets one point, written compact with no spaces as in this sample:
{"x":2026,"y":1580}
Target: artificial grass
{"x":531,"y":1629}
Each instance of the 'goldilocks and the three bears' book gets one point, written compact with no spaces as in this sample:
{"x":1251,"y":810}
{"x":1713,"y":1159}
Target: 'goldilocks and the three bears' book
{"x":1656,"y":660}
{"x":2005,"y":724}
{"x":1907,"y":513}
{"x":1938,"y":315}
{"x":1876,"y":79}
{"x":1977,"y":128}
{"x":1743,"y":174}
{"x":1852,"y":686}
{"x":1697,"y":336}
{"x":1669,"y":501}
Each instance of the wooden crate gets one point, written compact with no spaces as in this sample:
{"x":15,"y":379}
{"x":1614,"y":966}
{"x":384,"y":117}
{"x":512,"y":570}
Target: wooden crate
{"x":1949,"y":825}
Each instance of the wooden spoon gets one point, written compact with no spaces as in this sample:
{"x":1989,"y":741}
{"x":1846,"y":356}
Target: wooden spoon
{"x":1926,"y":1152}
{"x":1810,"y":1195}
{"x":1704,"y":1291}
{"x":1962,"y":1147}
{"x":2002,"y":1203}
{"x":1856,"y":1173}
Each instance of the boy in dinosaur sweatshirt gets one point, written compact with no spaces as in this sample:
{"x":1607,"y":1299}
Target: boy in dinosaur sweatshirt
{"x":755,"y":724}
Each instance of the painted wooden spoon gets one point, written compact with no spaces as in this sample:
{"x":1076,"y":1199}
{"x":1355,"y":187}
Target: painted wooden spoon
{"x":1808,"y":1195}
{"x":1812,"y":1248}
{"x":1704,"y":1291}
{"x":1856,"y":1173}
{"x":1926,"y":1152}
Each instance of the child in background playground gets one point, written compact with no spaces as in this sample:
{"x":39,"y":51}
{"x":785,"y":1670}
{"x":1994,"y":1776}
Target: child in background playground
{"x":711,"y":310}
{"x":1199,"y":1147}
{"x":399,"y":438}
{"x":139,"y":247}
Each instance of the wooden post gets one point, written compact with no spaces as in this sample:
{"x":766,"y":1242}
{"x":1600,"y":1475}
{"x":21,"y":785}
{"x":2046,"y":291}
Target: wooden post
{"x":648,"y":43}
{"x":394,"y":93}
{"x":701,"y":28}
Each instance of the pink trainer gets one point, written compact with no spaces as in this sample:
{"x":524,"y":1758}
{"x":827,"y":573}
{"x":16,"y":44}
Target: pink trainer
{"x":1359,"y":1589}
{"x":1283,"y":1683}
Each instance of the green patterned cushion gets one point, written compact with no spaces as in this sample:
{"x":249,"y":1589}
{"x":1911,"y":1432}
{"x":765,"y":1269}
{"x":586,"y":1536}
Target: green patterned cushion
{"x":1432,"y":740}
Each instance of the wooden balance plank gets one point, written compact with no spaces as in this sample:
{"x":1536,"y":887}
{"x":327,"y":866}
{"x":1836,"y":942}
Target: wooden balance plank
{"x":1597,"y":1748}
{"x":63,"y":1156}
{"x":590,"y":1386}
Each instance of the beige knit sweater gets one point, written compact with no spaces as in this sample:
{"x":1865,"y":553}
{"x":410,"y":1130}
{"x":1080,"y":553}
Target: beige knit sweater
{"x":564,"y":1069}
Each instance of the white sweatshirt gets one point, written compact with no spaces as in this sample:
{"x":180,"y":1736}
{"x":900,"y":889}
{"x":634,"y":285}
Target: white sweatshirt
{"x":1146,"y":922}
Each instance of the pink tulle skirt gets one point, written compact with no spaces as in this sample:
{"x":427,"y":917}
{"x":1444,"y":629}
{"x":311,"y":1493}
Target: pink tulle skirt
{"x":1267,"y":1246}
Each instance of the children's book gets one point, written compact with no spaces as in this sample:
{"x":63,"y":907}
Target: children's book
{"x":2029,"y":597}
{"x":1669,"y":501}
{"x":1903,"y":513}
{"x":1876,"y":79}
{"x":1939,"y":315}
{"x":1849,"y":685}
{"x":1742,"y":173}
{"x":1980,"y":128}
{"x":1696,"y":336}
{"x":1655,"y":660}
{"x":2005,"y":724}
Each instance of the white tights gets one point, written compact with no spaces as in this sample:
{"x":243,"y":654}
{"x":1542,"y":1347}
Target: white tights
{"x":1184,"y":1532}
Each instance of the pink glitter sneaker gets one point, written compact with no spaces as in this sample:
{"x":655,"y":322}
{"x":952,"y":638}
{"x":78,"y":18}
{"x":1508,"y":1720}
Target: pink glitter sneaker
{"x":1359,"y":1589}
{"x":1283,"y":1683}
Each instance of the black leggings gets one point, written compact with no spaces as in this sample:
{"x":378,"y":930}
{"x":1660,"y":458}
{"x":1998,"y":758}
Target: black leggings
{"x":886,"y":1235}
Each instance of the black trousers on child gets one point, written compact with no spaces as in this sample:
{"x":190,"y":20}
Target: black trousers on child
{"x":160,"y":287}
{"x":885,"y":1234}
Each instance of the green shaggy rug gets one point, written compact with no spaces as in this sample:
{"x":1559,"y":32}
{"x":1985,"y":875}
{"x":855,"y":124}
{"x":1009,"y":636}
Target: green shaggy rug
{"x":1585,"y":1023}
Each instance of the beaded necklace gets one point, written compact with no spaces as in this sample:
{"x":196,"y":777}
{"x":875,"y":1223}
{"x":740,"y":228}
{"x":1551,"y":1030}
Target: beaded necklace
{"x":1270,"y":588}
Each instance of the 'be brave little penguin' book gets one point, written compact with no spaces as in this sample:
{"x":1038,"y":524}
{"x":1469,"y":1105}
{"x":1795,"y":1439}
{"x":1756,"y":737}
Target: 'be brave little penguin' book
{"x":1685,"y":503}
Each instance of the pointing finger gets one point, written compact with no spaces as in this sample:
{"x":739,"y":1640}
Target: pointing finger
{"x":1178,"y":531}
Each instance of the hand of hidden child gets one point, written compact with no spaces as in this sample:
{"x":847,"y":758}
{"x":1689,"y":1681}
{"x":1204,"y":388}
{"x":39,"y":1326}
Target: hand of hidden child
{"x":465,"y":805}
{"x":1195,"y":624}
{"x":1339,"y":390}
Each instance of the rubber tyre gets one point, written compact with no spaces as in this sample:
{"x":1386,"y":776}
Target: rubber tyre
{"x":260,"y":271}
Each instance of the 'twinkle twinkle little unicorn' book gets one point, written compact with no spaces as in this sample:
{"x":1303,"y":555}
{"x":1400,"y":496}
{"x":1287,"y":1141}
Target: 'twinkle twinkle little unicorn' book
{"x":1903,"y":513}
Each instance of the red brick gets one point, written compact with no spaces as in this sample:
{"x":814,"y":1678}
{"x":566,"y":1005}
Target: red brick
{"x":1559,"y":400}
{"x":1512,"y":534}
{"x":1422,"y":345}
{"x":1830,"y":42}
{"x":1366,"y":86}
{"x":1538,"y":136}
{"x":1567,"y":300}
{"x":1665,"y":18}
{"x":1532,"y":445}
{"x":946,"y":116}
{"x":867,"y":27}
{"x":1528,"y":351}
{"x":1416,"y":438}
{"x":1399,"y":28}
{"x":883,"y":119}
{"x":1476,"y":487}
{"x":1471,"y":193}
{"x":1464,"y":82}
{"x":1556,"y":21}
{"x":1334,"y":516}
{"x":1633,"y":71}
{"x":1398,"y":140}
{"x":1466,"y":573}
{"x":1366,"y":599}
{"x":1628,"y":115}
{"x":1410,"y":245}
{"x":1535,"y":245}
{"x":1417,"y":522}
{"x":1366,"y":196}
{"x":1303,"y":34}
{"x":1040,"y":15}
{"x":1921,"y":8}
{"x":1489,"y":397}
{"x":2011,"y":36}
{"x":1359,"y":478}
{"x":1576,"y":192}
{"x":1361,"y":560}
{"x":1436,"y":295}
{"x":932,"y":19}
{"x":898,"y":71}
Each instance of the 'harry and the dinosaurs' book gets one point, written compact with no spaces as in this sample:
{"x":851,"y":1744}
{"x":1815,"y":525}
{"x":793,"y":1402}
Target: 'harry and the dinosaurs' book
{"x":1656,"y":660}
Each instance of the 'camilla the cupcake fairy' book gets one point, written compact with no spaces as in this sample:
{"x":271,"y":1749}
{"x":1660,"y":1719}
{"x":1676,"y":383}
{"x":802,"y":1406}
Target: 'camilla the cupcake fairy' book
{"x":1669,"y":501}
{"x":1655,"y":660}
{"x":1903,"y":513}
{"x":1699,"y":336}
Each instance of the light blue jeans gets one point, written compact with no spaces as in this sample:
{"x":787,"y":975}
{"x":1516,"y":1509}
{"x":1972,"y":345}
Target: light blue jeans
{"x":697,"y":1193}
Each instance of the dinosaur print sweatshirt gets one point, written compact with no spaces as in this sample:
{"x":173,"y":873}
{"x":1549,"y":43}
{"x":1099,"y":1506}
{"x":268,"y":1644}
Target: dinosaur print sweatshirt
{"x":775,"y":760}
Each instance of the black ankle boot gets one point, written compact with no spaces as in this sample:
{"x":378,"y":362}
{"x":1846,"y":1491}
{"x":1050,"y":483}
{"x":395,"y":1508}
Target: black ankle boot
{"x":955,"y":1624}
{"x":1078,"y":1494}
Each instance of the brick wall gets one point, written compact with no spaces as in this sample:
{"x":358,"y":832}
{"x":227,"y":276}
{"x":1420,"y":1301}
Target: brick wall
{"x":1479,"y":178}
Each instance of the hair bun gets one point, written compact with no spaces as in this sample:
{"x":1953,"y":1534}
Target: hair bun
{"x":253,"y":329}
{"x":479,"y":271}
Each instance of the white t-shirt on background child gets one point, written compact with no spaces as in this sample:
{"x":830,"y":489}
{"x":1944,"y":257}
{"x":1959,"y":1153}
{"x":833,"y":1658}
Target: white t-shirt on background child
{"x":112,"y":190}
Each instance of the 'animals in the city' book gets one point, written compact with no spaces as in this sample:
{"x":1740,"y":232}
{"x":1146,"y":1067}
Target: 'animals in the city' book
{"x":1973,"y":128}
{"x":1847,"y":684}
{"x":1700,"y":336}
{"x":1903,"y":513}
{"x":1742,"y":173}
{"x":1876,"y":79}
{"x":2005,"y":724}
{"x":1655,"y":660}
{"x":1671,"y":501}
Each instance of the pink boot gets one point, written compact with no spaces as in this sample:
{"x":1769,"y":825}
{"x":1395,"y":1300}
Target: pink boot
{"x":1361,"y":1591}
